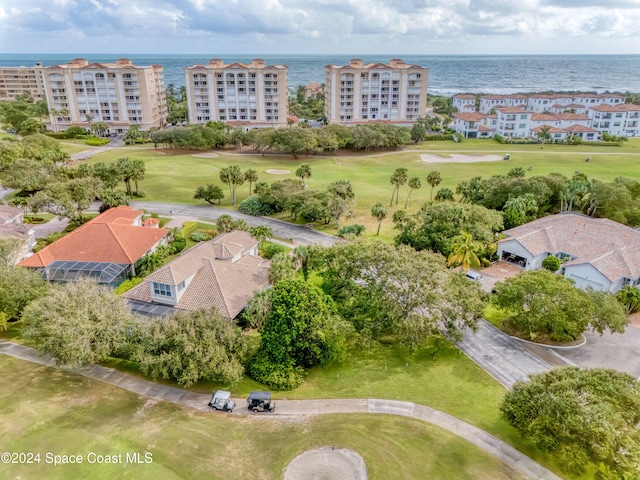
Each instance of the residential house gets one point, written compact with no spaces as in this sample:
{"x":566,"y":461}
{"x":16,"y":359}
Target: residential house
{"x":106,"y":249}
{"x":513,"y":122}
{"x":253,"y":95}
{"x":223,"y":273}
{"x":361,"y":93}
{"x":11,"y":226}
{"x":491,"y":102}
{"x":596,"y":253}
{"x":473,"y":125}
{"x":464,"y":103}
{"x":312,"y":90}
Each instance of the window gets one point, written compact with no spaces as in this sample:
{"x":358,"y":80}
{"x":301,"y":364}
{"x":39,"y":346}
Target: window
{"x":162,"y":289}
{"x":522,"y":125}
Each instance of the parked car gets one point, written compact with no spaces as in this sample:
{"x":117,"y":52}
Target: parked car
{"x":475,"y":276}
{"x":260,"y":402}
{"x":221,"y":400}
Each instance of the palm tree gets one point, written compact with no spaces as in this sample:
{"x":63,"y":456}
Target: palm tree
{"x":544,"y":134}
{"x":379,"y":212}
{"x":464,"y":251}
{"x":414,"y":184}
{"x":398,"y":178}
{"x":99,"y":128}
{"x":433,"y":179}
{"x":137,"y":173}
{"x":251,"y":176}
{"x":303,"y":172}
{"x":261,"y":233}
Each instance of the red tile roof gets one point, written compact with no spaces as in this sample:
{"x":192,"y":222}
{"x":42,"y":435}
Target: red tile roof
{"x":512,"y":110}
{"x":465,"y":96}
{"x":470,"y":116}
{"x":110,"y":237}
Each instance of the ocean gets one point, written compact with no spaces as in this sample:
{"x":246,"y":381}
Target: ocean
{"x":448,"y":75}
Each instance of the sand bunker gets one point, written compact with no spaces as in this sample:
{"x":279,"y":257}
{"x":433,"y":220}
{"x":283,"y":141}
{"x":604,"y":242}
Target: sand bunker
{"x":327,"y":464}
{"x":205,"y":155}
{"x":458,"y":158}
{"x":278,"y":172}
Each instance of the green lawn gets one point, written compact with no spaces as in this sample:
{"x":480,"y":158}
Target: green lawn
{"x":174,"y":175}
{"x":46,"y":410}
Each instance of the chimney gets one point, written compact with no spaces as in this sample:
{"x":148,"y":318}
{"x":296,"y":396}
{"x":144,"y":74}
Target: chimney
{"x":123,"y":61}
{"x":355,"y":62}
{"x":216,"y":63}
{"x":394,"y":62}
{"x":257,"y":62}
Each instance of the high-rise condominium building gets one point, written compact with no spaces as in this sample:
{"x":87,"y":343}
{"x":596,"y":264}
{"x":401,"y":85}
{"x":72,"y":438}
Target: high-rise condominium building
{"x":16,"y":81}
{"x":375,"y":92}
{"x":249,"y":95}
{"x":120,"y":94}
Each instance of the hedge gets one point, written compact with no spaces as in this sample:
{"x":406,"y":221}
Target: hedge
{"x":188,"y":228}
{"x":438,"y":137}
{"x":96,"y":142}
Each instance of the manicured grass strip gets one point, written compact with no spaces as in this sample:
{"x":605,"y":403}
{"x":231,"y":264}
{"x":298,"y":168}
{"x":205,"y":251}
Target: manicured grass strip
{"x":47,"y":410}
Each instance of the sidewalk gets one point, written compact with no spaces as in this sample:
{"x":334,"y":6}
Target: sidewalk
{"x":198,"y":401}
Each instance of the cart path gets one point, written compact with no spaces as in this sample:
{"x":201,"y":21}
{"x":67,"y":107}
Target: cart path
{"x":284,"y":408}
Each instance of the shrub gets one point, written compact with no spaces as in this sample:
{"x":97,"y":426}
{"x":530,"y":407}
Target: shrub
{"x":127,"y":285}
{"x":499,"y":138}
{"x":255,"y":205}
{"x":75,"y":130}
{"x":355,"y":229}
{"x":438,"y":137}
{"x":279,"y":376}
{"x":199,"y":236}
{"x":188,"y":228}
{"x":551,"y":263}
{"x":59,"y":135}
{"x":177,"y":244}
{"x":272,"y":250}
{"x":96,"y":142}
{"x":48,"y":240}
{"x":139,"y":194}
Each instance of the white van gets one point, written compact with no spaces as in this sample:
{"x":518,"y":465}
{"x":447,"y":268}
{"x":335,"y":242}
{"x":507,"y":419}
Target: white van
{"x":475,"y":276}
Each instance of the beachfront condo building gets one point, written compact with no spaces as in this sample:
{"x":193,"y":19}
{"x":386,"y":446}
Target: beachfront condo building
{"x":16,"y":81}
{"x":361,"y":93}
{"x":119,"y":94}
{"x":246,"y":95}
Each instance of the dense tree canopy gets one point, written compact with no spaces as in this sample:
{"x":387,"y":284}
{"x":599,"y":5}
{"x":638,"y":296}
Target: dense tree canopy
{"x":190,"y":346}
{"x":386,"y":290}
{"x":542,"y":303}
{"x":435,"y":226}
{"x":581,"y":416}
{"x":79,"y":323}
{"x":301,"y":330}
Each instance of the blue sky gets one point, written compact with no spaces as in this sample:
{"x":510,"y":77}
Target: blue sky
{"x":321,"y":26}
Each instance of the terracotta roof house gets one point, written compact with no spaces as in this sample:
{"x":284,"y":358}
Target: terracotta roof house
{"x":106,"y":248}
{"x":597,"y":253}
{"x":9,"y":214}
{"x":223,"y":273}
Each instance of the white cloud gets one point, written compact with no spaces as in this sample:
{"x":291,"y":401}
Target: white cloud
{"x":299,"y":26}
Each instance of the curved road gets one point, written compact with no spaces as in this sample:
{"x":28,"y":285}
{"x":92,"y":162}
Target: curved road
{"x":198,"y":401}
{"x":296,"y":233}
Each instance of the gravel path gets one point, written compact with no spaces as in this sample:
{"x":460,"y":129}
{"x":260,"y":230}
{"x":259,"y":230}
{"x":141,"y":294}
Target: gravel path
{"x":284,"y":408}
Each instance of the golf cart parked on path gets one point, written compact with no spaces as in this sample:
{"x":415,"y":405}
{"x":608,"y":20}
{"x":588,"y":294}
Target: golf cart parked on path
{"x":221,"y":400}
{"x":260,"y":402}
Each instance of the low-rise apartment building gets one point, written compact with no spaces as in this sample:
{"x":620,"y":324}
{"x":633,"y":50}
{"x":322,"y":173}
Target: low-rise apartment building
{"x":120,"y":94}
{"x":464,"y":102}
{"x":249,"y":95}
{"x":361,"y":93}
{"x":513,"y":122}
{"x":620,"y":120}
{"x":16,"y":81}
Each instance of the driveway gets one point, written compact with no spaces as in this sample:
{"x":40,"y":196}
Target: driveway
{"x":295,"y":233}
{"x":617,"y":351}
{"x":56,"y":224}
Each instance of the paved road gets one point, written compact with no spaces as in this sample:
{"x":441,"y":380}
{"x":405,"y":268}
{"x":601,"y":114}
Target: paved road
{"x":611,"y":350}
{"x":506,"y":359}
{"x":296,"y":233}
{"x":480,"y":438}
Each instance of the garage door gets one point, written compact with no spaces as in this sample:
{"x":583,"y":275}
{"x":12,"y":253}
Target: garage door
{"x":586,"y":283}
